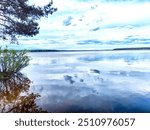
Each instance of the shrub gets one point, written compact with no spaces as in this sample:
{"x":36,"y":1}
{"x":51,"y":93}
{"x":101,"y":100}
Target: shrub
{"x":12,"y":61}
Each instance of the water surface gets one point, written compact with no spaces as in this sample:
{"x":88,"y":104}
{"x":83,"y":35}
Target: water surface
{"x":105,"y":81}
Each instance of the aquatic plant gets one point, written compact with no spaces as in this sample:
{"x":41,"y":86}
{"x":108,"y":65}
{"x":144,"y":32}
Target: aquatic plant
{"x":12,"y":61}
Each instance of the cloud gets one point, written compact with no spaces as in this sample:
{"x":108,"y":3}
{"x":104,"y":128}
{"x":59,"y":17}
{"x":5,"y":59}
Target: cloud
{"x":77,"y":22}
{"x":67,"y":21}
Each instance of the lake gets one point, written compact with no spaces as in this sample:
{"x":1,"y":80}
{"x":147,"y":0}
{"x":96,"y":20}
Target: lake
{"x":90,"y":81}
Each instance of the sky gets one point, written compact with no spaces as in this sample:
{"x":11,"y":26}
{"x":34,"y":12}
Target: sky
{"x":92,"y":24}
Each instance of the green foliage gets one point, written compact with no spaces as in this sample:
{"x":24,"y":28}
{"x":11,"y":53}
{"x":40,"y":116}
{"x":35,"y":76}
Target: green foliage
{"x":19,"y":18}
{"x":12,"y":62}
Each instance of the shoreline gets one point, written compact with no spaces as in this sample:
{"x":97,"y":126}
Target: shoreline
{"x":115,"y":49}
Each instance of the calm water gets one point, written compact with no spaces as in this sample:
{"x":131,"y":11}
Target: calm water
{"x":107,"y":81}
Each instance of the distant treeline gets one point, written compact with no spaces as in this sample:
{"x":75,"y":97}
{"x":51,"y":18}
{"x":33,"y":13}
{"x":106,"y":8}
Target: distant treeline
{"x":115,"y":49}
{"x":134,"y":48}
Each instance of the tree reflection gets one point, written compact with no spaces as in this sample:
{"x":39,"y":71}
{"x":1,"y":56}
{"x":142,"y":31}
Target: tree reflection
{"x":15,"y":95}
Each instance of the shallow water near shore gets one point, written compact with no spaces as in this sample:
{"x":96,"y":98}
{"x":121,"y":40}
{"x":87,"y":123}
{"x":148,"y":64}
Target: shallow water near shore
{"x":94,"y":81}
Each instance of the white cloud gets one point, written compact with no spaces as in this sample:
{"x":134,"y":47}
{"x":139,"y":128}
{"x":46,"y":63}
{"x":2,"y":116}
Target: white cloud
{"x":127,"y":13}
{"x":116,"y":22}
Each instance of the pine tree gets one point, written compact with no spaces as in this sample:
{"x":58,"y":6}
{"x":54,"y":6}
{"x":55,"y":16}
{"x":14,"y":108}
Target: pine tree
{"x":18,"y":18}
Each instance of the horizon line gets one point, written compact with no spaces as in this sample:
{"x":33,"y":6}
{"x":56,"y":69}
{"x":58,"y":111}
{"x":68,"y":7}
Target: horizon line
{"x":114,"y":49}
